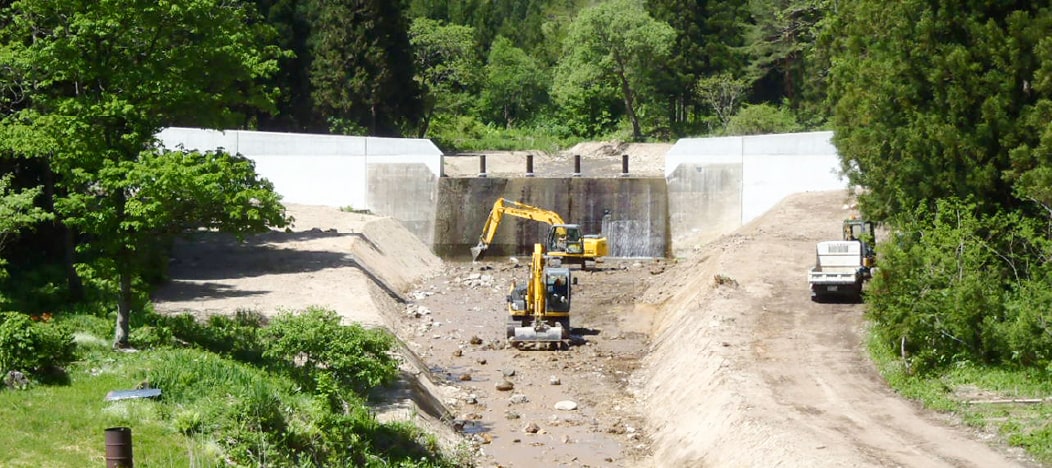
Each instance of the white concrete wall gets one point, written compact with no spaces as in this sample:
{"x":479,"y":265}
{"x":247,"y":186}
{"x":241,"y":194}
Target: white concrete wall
{"x":771,"y":167}
{"x":328,"y":170}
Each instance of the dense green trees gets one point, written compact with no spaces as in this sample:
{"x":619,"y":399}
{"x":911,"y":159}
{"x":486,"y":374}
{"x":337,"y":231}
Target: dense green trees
{"x":938,"y":102}
{"x":100,"y":79}
{"x":448,"y":68}
{"x":362,"y":68}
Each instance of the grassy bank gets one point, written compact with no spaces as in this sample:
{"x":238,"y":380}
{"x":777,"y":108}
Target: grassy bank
{"x":1013,"y":404}
{"x":235,"y":392}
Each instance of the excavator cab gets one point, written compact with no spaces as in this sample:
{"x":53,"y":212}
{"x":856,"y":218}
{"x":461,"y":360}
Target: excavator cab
{"x":539,"y":310}
{"x":862,"y":231}
{"x":565,"y":238}
{"x":558,"y":289}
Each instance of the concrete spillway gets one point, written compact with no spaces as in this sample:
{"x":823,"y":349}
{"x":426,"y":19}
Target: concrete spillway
{"x":632,"y":212}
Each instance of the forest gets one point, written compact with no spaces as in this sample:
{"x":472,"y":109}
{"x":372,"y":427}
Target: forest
{"x":942,"y":113}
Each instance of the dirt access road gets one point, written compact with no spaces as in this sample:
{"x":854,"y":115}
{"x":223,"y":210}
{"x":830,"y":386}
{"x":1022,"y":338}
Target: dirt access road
{"x":670,"y":367}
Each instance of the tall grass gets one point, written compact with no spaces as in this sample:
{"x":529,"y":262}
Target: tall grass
{"x":214,"y":409}
{"x":981,"y":396}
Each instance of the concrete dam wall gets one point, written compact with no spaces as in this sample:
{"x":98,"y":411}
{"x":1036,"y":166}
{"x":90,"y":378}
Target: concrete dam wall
{"x":632,"y":212}
{"x":711,"y":186}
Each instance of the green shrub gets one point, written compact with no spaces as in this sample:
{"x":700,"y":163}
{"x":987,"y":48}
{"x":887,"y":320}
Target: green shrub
{"x":33,"y":347}
{"x":762,"y":118}
{"x":237,"y":337}
{"x":146,"y":336}
{"x":314,"y":343}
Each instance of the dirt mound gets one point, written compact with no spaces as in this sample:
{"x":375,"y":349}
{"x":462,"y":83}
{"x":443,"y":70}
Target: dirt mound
{"x":598,"y":159}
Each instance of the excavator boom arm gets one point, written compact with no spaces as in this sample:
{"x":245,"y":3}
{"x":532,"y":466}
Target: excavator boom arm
{"x":503,"y":207}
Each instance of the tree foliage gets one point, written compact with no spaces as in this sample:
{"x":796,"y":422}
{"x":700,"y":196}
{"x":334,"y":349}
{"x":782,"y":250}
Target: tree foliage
{"x":952,"y":100}
{"x":515,"y":86}
{"x":609,"y":52}
{"x":938,"y":102}
{"x":447,"y":65}
{"x":362,"y":69}
{"x":957,"y":285}
{"x":100,"y":79}
{"x":709,"y":38}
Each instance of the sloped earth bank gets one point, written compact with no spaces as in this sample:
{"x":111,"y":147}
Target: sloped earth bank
{"x":750,"y":372}
{"x":668,"y":368}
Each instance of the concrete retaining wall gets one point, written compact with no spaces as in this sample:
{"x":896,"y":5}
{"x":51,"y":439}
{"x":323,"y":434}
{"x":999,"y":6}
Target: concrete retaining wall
{"x":393,"y":177}
{"x":635,"y":210}
{"x":716,"y":185}
{"x":711,"y":187}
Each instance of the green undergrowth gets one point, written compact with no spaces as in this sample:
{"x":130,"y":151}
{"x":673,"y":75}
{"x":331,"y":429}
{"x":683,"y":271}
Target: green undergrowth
{"x":236,"y":391}
{"x":1014,"y":404}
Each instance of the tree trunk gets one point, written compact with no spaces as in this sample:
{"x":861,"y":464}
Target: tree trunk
{"x":69,"y":245}
{"x":124,"y":304}
{"x":626,"y":90}
{"x":73,"y":282}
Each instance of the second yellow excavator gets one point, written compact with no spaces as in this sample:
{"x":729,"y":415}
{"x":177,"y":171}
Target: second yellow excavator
{"x":539,"y":311}
{"x":565,"y":241}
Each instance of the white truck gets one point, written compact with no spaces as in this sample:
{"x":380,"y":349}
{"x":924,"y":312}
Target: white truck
{"x":839,"y":271}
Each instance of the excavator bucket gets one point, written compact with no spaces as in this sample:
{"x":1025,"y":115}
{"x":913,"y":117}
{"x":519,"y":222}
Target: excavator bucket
{"x":541,"y":333}
{"x":477,"y":251}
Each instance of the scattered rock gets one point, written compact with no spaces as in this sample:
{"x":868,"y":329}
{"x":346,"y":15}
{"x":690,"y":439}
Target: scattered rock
{"x":566,"y":405}
{"x":482,"y":361}
{"x":518,"y":398}
{"x":531,"y":428}
{"x":457,"y":353}
{"x":465,"y":377}
{"x":475,"y":340}
{"x":553,"y":380}
{"x":566,"y":439}
{"x":505,"y":386}
{"x":16,"y":380}
{"x":511,"y":415}
{"x":509,"y":372}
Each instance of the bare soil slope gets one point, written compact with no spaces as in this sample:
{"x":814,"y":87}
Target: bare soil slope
{"x":748,"y":371}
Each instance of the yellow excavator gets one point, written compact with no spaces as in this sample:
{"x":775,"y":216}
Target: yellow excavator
{"x":564,"y":243}
{"x":539,"y":311}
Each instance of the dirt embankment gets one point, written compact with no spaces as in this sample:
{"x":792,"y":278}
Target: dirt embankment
{"x":746,"y":371}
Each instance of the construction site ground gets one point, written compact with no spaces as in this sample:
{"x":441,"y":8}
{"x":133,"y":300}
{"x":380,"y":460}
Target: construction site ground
{"x":715,"y":358}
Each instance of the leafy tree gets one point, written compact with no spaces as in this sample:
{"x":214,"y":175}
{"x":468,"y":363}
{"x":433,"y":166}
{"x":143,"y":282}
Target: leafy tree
{"x":613,"y":45}
{"x":758,"y":119}
{"x":17,"y":211}
{"x":723,"y":93}
{"x":515,"y":86}
{"x":937,"y":99}
{"x":295,"y":111}
{"x":102,"y":78}
{"x":447,"y":66}
{"x":362,"y":68}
